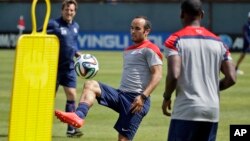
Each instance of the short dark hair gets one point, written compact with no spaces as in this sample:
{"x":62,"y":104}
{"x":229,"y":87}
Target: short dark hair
{"x":67,"y":2}
{"x":192,"y":7}
{"x":148,"y":24}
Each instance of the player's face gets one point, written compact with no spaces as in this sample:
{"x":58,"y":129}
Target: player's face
{"x":137,"y":30}
{"x":69,"y":12}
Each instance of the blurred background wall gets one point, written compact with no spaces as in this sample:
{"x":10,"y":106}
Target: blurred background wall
{"x":99,"y":19}
{"x":220,"y":17}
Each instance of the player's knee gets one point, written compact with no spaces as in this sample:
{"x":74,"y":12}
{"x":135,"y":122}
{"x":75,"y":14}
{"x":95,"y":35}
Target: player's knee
{"x":90,"y":91}
{"x":90,"y":84}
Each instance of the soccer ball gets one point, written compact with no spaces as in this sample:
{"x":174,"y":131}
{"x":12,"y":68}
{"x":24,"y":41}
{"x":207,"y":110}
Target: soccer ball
{"x":86,"y":66}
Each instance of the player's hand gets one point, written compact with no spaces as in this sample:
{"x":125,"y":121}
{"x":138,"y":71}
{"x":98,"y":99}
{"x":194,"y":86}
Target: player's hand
{"x":166,"y":105}
{"x":137,"y":105}
{"x":77,"y":54}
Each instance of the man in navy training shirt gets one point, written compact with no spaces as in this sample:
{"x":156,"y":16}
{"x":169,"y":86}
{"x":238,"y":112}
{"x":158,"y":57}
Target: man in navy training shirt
{"x":67,"y":31}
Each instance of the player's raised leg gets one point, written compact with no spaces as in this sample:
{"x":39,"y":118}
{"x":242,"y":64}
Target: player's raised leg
{"x":91,"y":90}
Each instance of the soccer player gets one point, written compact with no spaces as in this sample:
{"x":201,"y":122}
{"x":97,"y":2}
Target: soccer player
{"x":66,"y":29}
{"x":142,"y":71}
{"x":195,"y":59}
{"x":246,"y":44}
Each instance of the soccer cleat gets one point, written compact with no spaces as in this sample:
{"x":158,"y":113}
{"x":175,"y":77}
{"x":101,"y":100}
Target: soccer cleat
{"x":70,"y":118}
{"x":239,"y":72}
{"x":75,"y":133}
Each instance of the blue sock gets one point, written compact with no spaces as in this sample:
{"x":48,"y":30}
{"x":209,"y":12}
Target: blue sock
{"x":82,"y":110}
{"x":70,"y":107}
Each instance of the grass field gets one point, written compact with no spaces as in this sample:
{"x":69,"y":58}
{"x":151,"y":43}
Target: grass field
{"x":99,"y":123}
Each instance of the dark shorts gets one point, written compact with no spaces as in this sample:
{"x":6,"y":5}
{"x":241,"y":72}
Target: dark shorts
{"x":66,"y":78}
{"x":183,"y":130}
{"x":127,"y":123}
{"x":246,"y":47}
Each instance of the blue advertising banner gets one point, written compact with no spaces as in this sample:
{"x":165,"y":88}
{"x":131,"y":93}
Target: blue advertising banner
{"x":114,"y":40}
{"x":118,"y":40}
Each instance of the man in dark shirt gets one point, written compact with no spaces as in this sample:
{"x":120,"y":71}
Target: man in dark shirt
{"x":67,"y":31}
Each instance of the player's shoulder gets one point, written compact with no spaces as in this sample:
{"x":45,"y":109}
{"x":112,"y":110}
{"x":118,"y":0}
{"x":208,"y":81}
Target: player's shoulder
{"x":151,"y":44}
{"x":154,"y":48}
{"x":75,"y":24}
{"x":173,"y":37}
{"x":178,"y":34}
{"x":54,"y":22}
{"x":183,"y":32}
{"x":210,"y":33}
{"x":196,"y":32}
{"x":190,"y":32}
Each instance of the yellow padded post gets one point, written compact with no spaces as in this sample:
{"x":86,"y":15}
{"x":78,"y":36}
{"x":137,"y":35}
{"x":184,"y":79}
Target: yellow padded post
{"x":34,"y":83}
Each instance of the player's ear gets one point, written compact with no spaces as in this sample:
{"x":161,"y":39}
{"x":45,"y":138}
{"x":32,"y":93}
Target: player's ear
{"x":147,"y":31}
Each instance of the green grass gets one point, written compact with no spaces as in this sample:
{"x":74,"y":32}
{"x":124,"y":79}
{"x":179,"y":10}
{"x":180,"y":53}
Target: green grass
{"x":100,"y":120}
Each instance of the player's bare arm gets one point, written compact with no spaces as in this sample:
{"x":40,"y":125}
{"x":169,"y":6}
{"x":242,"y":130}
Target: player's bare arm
{"x":174,"y":69}
{"x":156,"y":72}
{"x":228,"y":69}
